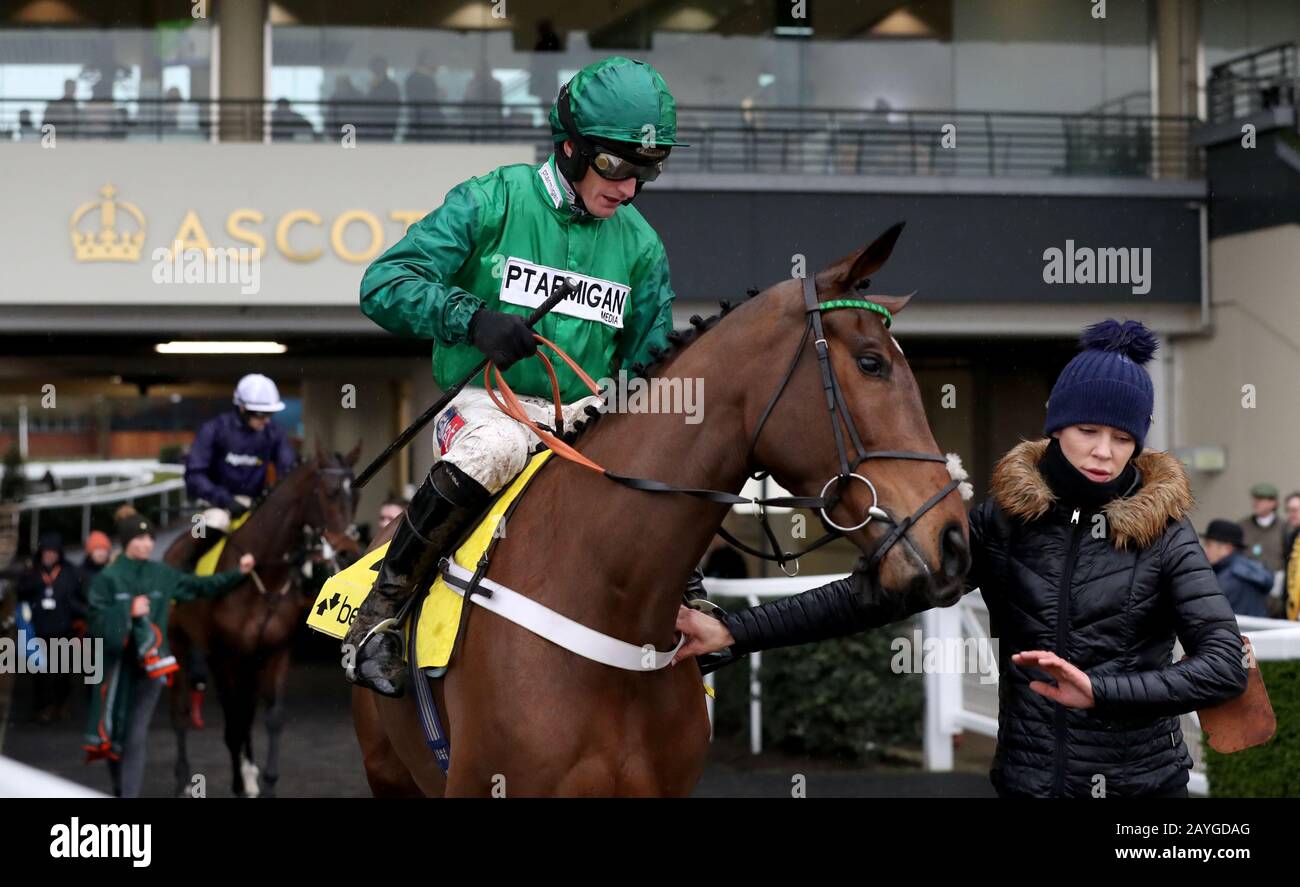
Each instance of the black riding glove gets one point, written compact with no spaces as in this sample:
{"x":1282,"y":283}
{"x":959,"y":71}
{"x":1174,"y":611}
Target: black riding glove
{"x":504,"y":338}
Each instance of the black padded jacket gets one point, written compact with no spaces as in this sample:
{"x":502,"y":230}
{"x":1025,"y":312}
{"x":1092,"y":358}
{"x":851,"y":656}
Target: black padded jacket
{"x":1108,"y":591}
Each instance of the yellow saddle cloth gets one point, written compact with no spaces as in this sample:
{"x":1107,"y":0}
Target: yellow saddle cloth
{"x":440,"y":610}
{"x":207,"y":564}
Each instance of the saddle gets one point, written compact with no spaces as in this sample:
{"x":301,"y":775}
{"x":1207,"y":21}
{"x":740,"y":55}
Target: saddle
{"x":207,"y":562}
{"x":439,"y":606}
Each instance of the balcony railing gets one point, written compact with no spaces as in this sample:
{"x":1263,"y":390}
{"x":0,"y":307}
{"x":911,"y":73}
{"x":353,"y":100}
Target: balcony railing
{"x":1251,"y":83}
{"x":757,"y":140}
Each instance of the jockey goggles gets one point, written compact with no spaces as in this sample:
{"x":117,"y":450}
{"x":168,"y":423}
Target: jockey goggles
{"x":609,"y":165}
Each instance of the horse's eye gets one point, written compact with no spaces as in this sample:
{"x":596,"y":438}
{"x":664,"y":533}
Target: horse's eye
{"x":871,"y":365}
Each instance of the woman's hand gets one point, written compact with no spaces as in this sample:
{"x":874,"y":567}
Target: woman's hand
{"x":139,"y":606}
{"x":246,"y":564}
{"x":1073,"y":688}
{"x":704,"y":634}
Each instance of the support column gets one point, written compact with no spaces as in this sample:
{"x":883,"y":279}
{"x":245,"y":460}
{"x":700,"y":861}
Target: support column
{"x":1176,"y":78}
{"x":242,"y":58}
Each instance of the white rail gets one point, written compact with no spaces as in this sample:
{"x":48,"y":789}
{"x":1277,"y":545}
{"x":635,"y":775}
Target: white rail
{"x":117,"y":480}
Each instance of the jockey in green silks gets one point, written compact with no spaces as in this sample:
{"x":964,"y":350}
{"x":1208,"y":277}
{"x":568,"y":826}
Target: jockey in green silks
{"x":469,"y":273}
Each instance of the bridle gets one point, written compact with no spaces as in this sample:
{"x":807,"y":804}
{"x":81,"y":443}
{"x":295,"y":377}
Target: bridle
{"x":836,"y":406}
{"x":329,"y":543}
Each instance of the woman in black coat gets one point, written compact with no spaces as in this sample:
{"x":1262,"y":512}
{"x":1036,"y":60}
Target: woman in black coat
{"x":1090,"y":568}
{"x":52,"y":588}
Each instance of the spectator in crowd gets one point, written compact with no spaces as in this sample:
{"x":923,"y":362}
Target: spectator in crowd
{"x":288,"y":125}
{"x":422,"y":98}
{"x":63,"y":112}
{"x":1292,"y":508}
{"x":129,"y":605}
{"x":53,"y":590}
{"x":1262,"y":530}
{"x":98,"y":551}
{"x":1291,"y":567}
{"x":484,"y":89}
{"x":391,"y":510}
{"x":26,"y":131}
{"x":387,"y":98}
{"x":1245,"y":582}
{"x":343,"y":107}
{"x":547,"y":39}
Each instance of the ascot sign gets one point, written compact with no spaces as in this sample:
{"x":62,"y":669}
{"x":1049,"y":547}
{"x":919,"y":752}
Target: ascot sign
{"x":299,"y":234}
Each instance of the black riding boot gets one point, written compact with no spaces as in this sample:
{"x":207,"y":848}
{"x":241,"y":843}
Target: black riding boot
{"x":444,"y":506}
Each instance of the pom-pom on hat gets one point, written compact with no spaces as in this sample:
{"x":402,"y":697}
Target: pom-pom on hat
{"x":1106,"y":384}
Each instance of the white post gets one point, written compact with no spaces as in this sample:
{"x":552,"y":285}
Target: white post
{"x":22,"y":428}
{"x":942,"y":692}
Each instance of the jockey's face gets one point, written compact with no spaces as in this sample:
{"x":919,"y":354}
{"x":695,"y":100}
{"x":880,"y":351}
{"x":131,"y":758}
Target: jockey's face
{"x":256,"y":421}
{"x":601,"y":196}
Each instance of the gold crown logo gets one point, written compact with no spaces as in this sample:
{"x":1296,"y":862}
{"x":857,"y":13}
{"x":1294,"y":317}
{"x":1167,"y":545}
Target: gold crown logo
{"x":107,"y":244}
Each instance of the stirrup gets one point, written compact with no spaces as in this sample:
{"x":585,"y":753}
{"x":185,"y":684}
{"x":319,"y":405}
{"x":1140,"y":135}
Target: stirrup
{"x":707,"y":607}
{"x":392,"y":626}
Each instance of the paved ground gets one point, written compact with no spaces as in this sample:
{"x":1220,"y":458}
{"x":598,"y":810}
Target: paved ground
{"x":320,"y":757}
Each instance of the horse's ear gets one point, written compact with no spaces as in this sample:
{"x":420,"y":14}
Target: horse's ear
{"x":852,"y":271}
{"x":352,"y":457}
{"x":895,"y":304}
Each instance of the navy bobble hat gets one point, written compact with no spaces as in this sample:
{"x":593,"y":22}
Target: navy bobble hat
{"x":1106,"y":384}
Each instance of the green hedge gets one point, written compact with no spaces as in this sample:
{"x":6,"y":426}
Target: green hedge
{"x":837,"y":699}
{"x":1271,"y":770}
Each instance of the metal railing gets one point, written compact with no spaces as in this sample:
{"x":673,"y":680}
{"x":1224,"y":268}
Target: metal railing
{"x":1251,"y":83}
{"x":757,"y":140}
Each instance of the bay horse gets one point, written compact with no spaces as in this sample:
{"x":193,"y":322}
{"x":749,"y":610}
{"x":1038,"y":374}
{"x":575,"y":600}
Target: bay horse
{"x":247,"y":632}
{"x":526,"y":717}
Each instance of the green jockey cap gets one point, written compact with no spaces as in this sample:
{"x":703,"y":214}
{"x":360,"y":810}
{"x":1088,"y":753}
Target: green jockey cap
{"x":619,"y":100}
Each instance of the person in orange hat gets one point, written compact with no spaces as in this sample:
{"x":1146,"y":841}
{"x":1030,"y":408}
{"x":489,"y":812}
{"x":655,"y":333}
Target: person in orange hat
{"x":99,"y":551}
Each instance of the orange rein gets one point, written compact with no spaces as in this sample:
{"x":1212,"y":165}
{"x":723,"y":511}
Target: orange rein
{"x":508,"y":403}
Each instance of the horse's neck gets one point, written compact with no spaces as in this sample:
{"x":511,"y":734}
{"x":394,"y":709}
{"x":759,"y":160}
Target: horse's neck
{"x":276,"y":526}
{"x":636,"y":549}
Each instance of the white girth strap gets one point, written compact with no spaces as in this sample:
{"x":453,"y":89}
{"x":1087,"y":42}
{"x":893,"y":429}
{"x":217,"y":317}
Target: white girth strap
{"x":559,"y":630}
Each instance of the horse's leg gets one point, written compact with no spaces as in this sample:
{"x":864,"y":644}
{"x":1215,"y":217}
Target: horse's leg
{"x":178,"y":710}
{"x":238,"y":698}
{"x":270,"y":681}
{"x":387,"y":775}
{"x":400,"y":721}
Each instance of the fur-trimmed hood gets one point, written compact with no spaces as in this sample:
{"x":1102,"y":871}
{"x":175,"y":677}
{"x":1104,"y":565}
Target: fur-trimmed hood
{"x":1139,"y":518}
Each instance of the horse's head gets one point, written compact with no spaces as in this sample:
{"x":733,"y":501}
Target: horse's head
{"x":798,"y":443}
{"x":331,"y":504}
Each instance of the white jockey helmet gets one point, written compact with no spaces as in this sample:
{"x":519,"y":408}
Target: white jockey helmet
{"x":258,"y":394}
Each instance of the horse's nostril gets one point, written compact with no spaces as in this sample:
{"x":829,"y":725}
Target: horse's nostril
{"x":956,"y":552}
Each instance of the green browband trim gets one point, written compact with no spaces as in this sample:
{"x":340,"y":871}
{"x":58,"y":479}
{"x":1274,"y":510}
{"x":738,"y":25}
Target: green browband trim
{"x":859,"y":303}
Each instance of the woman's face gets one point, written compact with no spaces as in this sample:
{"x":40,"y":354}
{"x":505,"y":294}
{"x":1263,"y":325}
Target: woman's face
{"x":1099,"y":451}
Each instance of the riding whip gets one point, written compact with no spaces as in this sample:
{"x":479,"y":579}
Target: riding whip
{"x":566,"y":287}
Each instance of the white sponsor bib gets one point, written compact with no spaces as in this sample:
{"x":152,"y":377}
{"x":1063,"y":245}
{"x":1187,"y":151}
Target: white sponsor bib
{"x":523,"y":283}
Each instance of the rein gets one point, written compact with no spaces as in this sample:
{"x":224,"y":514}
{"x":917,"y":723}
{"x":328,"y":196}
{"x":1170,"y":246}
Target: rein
{"x":836,"y":406}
